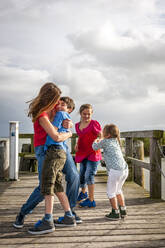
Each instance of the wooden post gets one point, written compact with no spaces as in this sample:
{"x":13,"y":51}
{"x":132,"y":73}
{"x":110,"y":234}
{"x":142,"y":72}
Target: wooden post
{"x":4,"y":158}
{"x":13,"y":172}
{"x":155,"y":173}
{"x":73,"y":143}
{"x":139,"y":154}
{"x":32,"y":144}
{"x":24,"y":164}
{"x":129,"y":153}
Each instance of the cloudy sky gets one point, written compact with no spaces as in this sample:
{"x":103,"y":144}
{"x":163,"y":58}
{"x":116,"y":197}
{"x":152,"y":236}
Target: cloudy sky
{"x":104,"y":52}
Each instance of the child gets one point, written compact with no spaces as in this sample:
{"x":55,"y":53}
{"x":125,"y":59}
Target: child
{"x":52,"y":173}
{"x":88,"y":130}
{"x":117,"y":170}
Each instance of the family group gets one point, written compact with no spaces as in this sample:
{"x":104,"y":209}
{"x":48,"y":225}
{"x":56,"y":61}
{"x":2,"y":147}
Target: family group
{"x":50,"y":114}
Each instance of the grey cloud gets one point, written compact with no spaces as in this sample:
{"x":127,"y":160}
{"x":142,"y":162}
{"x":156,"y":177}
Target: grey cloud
{"x":104,"y":52}
{"x":139,"y":55}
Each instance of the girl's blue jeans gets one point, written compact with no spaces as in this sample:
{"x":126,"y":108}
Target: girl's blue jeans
{"x":71,"y":177}
{"x":88,"y":170}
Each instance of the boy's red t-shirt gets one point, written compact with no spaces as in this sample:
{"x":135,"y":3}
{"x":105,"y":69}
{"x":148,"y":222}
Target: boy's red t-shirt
{"x":39,"y":132}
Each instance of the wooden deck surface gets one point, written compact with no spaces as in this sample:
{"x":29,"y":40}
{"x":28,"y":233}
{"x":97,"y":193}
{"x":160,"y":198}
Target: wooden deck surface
{"x":143,"y":227}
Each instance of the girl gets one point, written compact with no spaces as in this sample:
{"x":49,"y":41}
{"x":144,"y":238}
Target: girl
{"x":88,"y":130}
{"x":117,"y":170}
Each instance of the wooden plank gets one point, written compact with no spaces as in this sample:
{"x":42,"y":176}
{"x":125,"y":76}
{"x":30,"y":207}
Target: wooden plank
{"x":137,"y":162}
{"x":26,"y":135}
{"x":131,"y":134}
{"x":27,"y":155}
{"x":143,"y":227}
{"x":143,"y":134}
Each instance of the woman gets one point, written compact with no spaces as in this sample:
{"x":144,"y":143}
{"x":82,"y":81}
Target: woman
{"x":40,"y":109}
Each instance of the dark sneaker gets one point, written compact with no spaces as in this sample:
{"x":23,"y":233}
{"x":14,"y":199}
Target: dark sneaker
{"x":65,"y":221}
{"x":114,"y":215}
{"x":42,"y":226}
{"x":82,"y":196}
{"x":19,"y":221}
{"x":77,"y":218}
{"x":123,"y":212}
{"x":88,"y":203}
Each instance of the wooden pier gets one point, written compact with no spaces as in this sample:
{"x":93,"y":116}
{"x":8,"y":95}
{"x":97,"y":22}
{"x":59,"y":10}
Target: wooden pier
{"x":143,"y":227}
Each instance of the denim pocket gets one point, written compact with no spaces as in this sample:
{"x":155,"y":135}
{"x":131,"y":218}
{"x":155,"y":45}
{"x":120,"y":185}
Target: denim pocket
{"x":39,"y":151}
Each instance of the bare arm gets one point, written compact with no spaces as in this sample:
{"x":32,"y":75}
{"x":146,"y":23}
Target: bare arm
{"x":52,"y":131}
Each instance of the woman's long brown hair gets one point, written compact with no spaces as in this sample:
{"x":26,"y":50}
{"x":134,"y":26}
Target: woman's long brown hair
{"x":47,"y":97}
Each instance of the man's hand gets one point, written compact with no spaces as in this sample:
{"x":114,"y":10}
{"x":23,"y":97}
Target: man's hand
{"x":67,"y":124}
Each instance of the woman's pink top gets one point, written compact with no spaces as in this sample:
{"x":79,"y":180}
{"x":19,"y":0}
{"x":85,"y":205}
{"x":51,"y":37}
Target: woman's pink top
{"x":85,"y":141}
{"x":39,"y":132}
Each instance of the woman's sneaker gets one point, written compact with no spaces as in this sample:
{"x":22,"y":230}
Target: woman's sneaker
{"x":65,"y":221}
{"x":42,"y":226}
{"x":82,"y":196}
{"x":123,"y":212}
{"x":88,"y":203}
{"x":19,"y":221}
{"x":114,"y":215}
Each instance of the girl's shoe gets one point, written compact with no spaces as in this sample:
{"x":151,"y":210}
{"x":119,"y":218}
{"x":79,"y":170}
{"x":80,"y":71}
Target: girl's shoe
{"x":114,"y":215}
{"x":123,"y":212}
{"x":82,"y":196}
{"x":88,"y":203}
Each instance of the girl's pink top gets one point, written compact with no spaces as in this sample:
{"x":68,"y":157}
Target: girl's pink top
{"x":39,"y":132}
{"x":85,"y":141}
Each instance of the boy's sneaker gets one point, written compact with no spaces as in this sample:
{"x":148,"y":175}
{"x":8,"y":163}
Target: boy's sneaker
{"x":114,"y":215}
{"x":77,"y":218}
{"x":123,"y":212}
{"x":42,"y":226}
{"x":65,"y":221}
{"x":82,"y":196}
{"x":88,"y":203}
{"x":19,"y":221}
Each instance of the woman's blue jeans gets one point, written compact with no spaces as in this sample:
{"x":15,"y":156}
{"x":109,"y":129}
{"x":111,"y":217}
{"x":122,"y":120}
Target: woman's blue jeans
{"x":71,"y":177}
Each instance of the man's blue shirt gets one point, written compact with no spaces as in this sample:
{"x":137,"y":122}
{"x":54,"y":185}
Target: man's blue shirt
{"x":57,"y":122}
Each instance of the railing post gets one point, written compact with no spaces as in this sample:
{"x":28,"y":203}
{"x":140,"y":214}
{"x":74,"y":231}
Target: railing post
{"x":14,"y":168}
{"x":129,"y":153}
{"x":32,"y":144}
{"x":73,"y":143}
{"x":155,"y":172}
{"x":139,"y":154}
{"x":4,"y":158}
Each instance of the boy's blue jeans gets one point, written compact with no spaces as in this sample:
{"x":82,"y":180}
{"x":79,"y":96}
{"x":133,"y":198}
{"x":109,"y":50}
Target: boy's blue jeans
{"x":71,"y":177}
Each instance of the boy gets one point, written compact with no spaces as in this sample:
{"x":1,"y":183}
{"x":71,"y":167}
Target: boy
{"x":52,"y":174}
